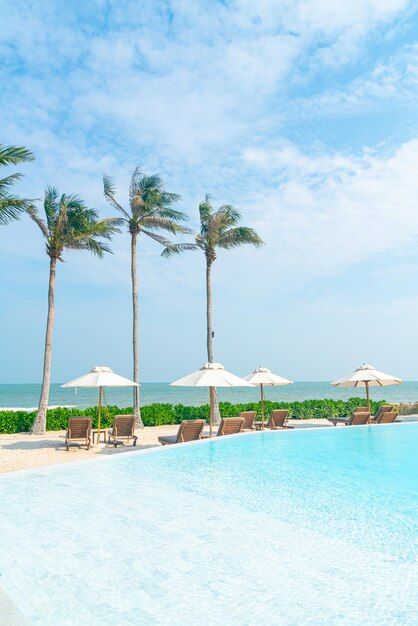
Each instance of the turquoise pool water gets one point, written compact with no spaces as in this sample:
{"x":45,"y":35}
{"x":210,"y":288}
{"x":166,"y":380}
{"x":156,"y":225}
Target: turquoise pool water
{"x":310,"y":527}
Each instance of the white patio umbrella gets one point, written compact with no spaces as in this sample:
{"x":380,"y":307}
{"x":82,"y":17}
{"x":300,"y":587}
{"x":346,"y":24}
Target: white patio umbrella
{"x":367,"y":376}
{"x":100,"y":376}
{"x":261,"y":377}
{"x":211,"y":375}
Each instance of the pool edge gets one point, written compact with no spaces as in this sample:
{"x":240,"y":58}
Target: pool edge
{"x":215,"y":440}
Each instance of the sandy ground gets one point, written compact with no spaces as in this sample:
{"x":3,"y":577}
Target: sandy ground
{"x":22,"y":451}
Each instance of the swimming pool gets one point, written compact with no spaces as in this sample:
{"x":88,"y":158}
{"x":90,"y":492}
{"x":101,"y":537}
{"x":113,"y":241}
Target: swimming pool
{"x":309,"y":527}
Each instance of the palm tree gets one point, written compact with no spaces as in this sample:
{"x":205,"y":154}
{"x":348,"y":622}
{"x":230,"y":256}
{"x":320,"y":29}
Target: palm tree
{"x":68,"y":225}
{"x":218,"y":229}
{"x":150,"y":209}
{"x":12,"y":206}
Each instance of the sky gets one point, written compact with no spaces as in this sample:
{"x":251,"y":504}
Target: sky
{"x":300,"y":113}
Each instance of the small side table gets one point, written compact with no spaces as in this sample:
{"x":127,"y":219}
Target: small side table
{"x":103,"y":431}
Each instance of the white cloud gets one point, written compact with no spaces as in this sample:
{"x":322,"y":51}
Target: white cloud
{"x":339,"y":27}
{"x":202,"y":93}
{"x":176,"y":77}
{"x":336,"y":211}
{"x":392,"y":80}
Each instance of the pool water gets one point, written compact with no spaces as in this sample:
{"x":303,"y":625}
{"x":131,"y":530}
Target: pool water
{"x":308,"y":527}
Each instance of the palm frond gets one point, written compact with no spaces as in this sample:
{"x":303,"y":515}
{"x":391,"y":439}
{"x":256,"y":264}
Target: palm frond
{"x":72,"y":225}
{"x":205,"y":211}
{"x":151,"y":204}
{"x":235,"y":237}
{"x":225,"y":217}
{"x":138,"y":207}
{"x":11,"y":208}
{"x":116,"y":222}
{"x":156,"y":222}
{"x":61,"y":225}
{"x":8,"y":181}
{"x":149,"y":184}
{"x":144,"y":191}
{"x":75,"y":202}
{"x":162,"y":240}
{"x":135,"y":185}
{"x":109,"y":194}
{"x":12,"y":155}
{"x":153,"y":201}
{"x":176,"y":248}
{"x":51,"y":206}
{"x":34,"y":215}
{"x":201,"y":240}
{"x":166,"y":199}
{"x":105,"y":228}
{"x":108,"y":186}
{"x":171,"y":214}
{"x":97,"y":248}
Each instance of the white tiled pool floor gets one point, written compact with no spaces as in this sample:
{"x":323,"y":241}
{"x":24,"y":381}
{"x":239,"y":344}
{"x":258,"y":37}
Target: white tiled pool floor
{"x":116,"y":542}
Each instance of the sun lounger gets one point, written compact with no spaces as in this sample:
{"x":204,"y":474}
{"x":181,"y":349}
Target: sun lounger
{"x":357,"y":419}
{"x":123,"y":428}
{"x":277,"y":420}
{"x":248,"y":417}
{"x":79,"y":430}
{"x":188,"y":431}
{"x":387,"y":408}
{"x":230,"y":426}
{"x":386,"y":417}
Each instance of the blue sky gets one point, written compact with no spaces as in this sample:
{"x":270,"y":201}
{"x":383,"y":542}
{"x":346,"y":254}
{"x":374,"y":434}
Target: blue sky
{"x":301,"y":113}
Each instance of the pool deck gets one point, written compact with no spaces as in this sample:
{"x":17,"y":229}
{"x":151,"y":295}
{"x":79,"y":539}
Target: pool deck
{"x":24,"y":451}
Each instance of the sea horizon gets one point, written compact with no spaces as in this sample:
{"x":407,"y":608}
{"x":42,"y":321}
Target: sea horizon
{"x":25,"y":396}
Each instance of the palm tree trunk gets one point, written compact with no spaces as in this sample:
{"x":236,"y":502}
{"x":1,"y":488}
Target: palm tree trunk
{"x":135,"y":343}
{"x":39,"y":424}
{"x":214,"y":403}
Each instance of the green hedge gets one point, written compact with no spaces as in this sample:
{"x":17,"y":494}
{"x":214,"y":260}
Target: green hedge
{"x":158,"y":414}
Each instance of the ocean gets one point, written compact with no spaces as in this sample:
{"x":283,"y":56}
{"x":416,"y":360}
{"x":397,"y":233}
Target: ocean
{"x":26,"y":396}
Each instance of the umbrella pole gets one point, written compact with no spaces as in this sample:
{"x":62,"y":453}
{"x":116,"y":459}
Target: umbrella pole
{"x":262,"y":405}
{"x":100,"y":408}
{"x":368,"y":400}
{"x":210,"y":410}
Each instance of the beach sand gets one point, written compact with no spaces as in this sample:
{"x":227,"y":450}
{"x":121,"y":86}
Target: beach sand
{"x":23,"y":451}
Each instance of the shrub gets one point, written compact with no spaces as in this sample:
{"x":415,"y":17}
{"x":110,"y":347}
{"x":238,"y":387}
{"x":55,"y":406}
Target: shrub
{"x":158,"y":414}
{"x":408,"y":408}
